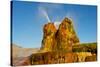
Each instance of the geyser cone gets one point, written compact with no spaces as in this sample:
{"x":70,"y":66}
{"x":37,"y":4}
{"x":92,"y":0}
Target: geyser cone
{"x":49,"y":41}
{"x":66,"y":36}
{"x":60,"y":39}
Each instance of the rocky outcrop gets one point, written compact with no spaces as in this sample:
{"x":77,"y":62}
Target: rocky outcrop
{"x":57,"y":44}
{"x":49,"y":38}
{"x":66,"y":36}
{"x":59,"y":39}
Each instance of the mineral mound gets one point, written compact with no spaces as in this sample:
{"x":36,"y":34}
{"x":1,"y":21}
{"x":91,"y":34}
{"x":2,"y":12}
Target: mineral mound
{"x":61,"y":39}
{"x":49,"y":38}
{"x":57,"y":44}
{"x":66,"y":36}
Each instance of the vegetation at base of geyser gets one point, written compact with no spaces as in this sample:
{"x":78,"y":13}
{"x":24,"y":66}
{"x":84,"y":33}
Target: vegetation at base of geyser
{"x":85,"y":47}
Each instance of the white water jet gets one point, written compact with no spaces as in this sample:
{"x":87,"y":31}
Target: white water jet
{"x":45,"y":14}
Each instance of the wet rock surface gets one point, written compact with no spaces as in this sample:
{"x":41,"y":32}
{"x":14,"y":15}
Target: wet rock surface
{"x":53,"y":58}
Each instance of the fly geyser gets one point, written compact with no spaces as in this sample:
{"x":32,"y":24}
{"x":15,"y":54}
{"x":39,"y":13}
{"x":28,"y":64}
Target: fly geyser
{"x":61,"y":39}
{"x":57,"y":44}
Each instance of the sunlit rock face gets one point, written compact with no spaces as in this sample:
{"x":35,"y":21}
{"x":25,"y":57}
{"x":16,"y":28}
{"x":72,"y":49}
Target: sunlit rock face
{"x":61,"y":38}
{"x":49,"y":41}
{"x":66,"y":36}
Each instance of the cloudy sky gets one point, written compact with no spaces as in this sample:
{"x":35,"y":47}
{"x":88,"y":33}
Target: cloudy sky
{"x":28,"y":19}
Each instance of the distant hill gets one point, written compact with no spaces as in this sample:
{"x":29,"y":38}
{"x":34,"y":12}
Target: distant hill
{"x":18,"y":51}
{"x":16,"y":46}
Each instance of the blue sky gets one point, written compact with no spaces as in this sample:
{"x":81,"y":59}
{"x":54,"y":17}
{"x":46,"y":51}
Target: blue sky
{"x":28,"y":19}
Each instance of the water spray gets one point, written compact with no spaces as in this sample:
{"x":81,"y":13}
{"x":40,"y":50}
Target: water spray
{"x":45,"y":14}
